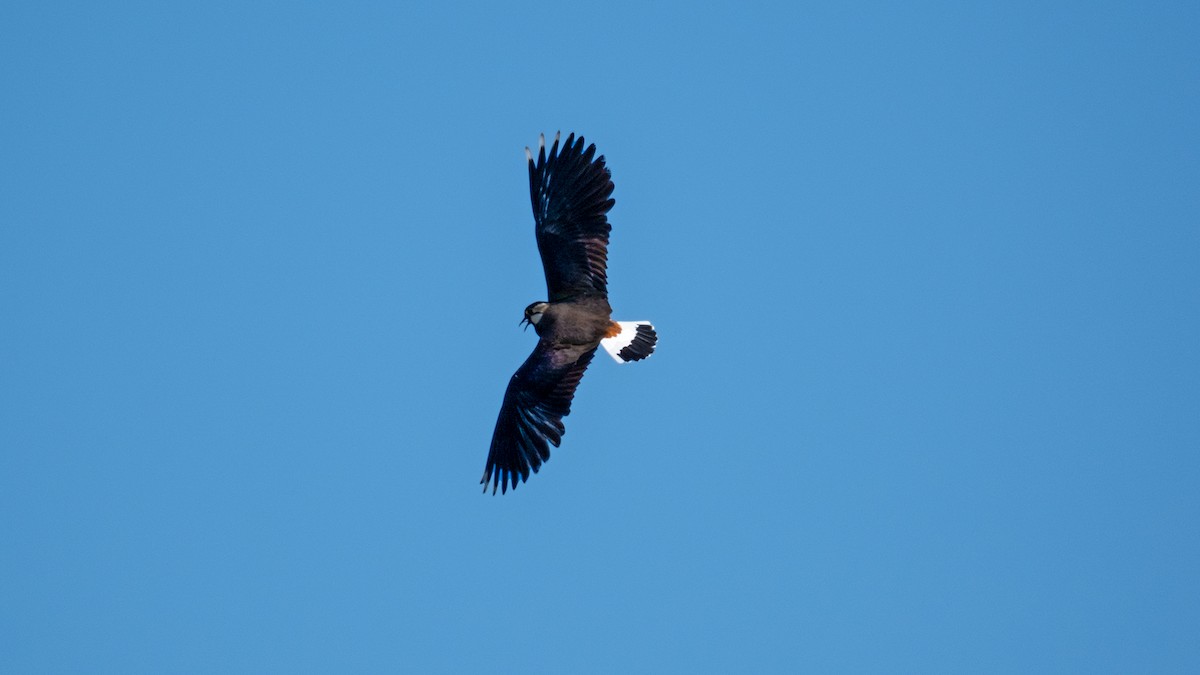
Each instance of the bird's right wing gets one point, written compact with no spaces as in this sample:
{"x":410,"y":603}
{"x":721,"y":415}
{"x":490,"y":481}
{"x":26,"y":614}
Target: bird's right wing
{"x":538,"y":397}
{"x":571,"y":197}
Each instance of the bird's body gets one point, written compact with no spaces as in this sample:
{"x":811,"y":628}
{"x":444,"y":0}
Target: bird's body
{"x":570,"y":194}
{"x":583,"y":321}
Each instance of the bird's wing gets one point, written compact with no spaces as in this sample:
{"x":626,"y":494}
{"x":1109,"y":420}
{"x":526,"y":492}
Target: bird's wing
{"x":570,"y":192}
{"x":538,"y":397}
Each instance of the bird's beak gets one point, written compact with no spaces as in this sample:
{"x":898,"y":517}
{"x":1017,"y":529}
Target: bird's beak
{"x":525,"y":323}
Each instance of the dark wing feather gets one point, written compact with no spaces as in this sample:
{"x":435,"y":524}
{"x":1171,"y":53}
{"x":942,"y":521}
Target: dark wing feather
{"x":538,"y":397}
{"x":570,"y":193}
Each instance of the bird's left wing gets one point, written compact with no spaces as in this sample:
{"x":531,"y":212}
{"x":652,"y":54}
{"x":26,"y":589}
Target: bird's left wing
{"x":571,"y":191}
{"x":538,"y":397}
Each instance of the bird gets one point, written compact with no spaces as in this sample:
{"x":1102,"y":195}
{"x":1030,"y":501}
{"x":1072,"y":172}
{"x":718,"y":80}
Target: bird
{"x":571,"y":191}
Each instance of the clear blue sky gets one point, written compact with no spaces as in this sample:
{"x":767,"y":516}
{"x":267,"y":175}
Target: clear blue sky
{"x":927,"y":397}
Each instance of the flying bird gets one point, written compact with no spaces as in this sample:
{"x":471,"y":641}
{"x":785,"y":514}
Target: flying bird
{"x":571,"y":191}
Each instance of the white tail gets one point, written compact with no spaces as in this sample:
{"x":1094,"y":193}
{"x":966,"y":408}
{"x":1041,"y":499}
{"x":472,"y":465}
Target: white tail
{"x":635,"y":342}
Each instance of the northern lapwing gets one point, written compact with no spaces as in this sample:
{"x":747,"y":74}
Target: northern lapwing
{"x":571,"y":196}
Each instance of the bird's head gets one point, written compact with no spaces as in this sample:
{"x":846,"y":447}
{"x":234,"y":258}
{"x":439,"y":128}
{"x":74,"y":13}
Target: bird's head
{"x":533,"y":314}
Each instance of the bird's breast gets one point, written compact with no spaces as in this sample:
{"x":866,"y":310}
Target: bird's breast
{"x":579,"y":322}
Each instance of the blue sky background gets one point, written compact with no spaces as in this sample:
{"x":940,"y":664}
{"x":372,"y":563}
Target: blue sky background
{"x":927,"y":397}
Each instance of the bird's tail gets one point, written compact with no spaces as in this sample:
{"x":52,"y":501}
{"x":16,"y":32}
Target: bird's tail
{"x":630,"y":340}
